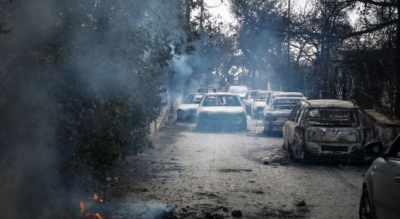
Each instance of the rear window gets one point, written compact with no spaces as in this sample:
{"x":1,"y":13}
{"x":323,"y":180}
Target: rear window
{"x":253,"y":93}
{"x":262,"y":96}
{"x":221,"y":101}
{"x":284,"y":104}
{"x":192,"y":99}
{"x":202,"y":90}
{"x":333,"y":117}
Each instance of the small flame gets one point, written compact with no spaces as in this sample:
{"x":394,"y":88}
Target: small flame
{"x":82,"y":207}
{"x":96,"y":197}
{"x":93,"y":215}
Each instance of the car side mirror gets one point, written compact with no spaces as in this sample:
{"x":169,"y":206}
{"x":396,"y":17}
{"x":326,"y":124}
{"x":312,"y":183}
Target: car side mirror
{"x":373,"y":149}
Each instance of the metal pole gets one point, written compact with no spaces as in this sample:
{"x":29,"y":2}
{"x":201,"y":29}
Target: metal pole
{"x":288,"y":47}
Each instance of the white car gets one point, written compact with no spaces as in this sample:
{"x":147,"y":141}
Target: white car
{"x":188,"y":107}
{"x":222,"y":111}
{"x":283,"y":94}
{"x":257,"y":107}
{"x":248,"y":100}
{"x":276,"y":113}
{"x":239,"y":90}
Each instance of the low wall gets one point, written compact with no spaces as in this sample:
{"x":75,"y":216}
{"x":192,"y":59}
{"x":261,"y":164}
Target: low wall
{"x":382,"y":128}
{"x":160,"y":121}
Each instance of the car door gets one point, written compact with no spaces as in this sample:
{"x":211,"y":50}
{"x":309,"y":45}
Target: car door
{"x":386,"y":183}
{"x":289,"y":125}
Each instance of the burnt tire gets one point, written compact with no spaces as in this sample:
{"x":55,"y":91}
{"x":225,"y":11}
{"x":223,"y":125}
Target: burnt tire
{"x":365,"y":210}
{"x":289,"y":151}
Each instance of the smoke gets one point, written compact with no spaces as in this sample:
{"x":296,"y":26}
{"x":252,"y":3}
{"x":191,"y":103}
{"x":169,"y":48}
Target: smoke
{"x":108,"y":50}
{"x":149,"y":209}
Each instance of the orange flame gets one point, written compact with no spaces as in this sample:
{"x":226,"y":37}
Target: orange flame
{"x":82,"y":207}
{"x":96,"y":197}
{"x":94,"y":215}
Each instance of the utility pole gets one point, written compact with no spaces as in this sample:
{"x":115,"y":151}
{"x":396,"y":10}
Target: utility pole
{"x":201,"y":17}
{"x":288,"y":43}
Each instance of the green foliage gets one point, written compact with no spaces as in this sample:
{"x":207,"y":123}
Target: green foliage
{"x":103,"y":64}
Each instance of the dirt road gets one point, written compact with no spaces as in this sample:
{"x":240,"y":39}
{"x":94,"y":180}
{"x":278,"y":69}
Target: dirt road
{"x":216,"y":175}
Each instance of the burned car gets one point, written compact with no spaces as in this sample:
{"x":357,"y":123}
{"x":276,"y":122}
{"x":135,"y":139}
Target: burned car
{"x":221,"y":110}
{"x":187,"y":110}
{"x":325,"y":128}
{"x":276,"y":114}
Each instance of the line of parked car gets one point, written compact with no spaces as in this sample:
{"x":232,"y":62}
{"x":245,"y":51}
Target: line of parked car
{"x":312,"y":129}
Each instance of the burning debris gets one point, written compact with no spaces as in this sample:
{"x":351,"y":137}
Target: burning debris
{"x":91,"y":209}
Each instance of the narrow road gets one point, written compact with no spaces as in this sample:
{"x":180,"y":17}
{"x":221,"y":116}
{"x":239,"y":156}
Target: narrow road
{"x":200,"y":173}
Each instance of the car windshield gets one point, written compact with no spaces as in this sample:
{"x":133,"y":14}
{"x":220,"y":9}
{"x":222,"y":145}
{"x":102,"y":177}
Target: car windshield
{"x":202,"y":90}
{"x":192,"y":99}
{"x":238,"y":89}
{"x":333,"y":117}
{"x":221,"y":101}
{"x":253,"y":93}
{"x":284,"y":104}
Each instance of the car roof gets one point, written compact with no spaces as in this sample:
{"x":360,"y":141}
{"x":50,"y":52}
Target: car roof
{"x":332,"y":103}
{"x":287,"y":93}
{"x":265,"y":91}
{"x":289,"y":98}
{"x":220,"y":94}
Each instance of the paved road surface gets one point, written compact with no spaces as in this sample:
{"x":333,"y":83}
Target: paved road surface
{"x":201,"y":172}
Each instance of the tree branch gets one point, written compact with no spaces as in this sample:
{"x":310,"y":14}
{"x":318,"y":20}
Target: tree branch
{"x":370,"y":30}
{"x":378,"y":3}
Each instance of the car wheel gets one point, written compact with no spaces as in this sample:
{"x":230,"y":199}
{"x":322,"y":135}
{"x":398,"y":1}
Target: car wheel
{"x":365,"y":211}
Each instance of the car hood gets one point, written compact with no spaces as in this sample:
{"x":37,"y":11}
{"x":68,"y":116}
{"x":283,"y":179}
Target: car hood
{"x":219,"y":109}
{"x":188,"y":106}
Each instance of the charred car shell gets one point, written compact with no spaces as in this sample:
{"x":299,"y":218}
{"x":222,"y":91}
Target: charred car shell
{"x":324,"y":128}
{"x":222,"y":111}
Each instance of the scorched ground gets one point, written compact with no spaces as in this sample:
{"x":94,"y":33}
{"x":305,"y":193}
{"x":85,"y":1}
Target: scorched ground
{"x":207,"y":175}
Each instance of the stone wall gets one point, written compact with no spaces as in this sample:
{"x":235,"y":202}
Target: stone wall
{"x":382,"y":128}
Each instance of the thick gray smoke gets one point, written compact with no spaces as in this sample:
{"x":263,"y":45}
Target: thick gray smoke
{"x":106,"y":62}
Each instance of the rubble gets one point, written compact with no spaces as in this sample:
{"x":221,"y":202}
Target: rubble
{"x":237,"y":213}
{"x":301,"y":203}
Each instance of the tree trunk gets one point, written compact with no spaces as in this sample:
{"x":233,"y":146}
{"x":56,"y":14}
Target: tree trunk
{"x":397,"y":69}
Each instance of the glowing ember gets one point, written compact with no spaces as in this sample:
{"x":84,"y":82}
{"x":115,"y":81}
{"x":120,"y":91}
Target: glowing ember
{"x":96,"y":197}
{"x":91,"y":215}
